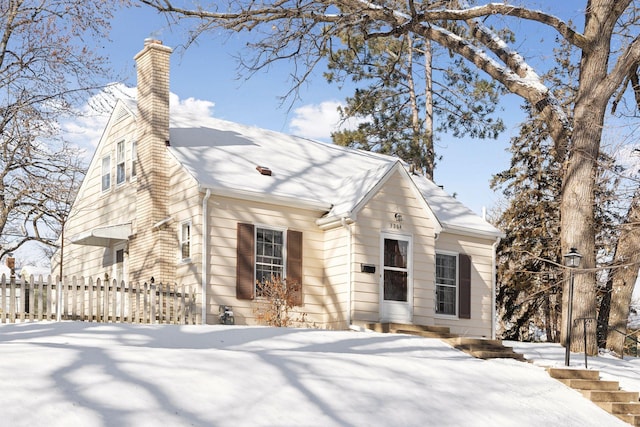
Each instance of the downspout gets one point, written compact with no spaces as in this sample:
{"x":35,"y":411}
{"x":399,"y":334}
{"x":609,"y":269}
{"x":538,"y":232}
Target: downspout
{"x":205,"y":255}
{"x":343,"y":220}
{"x":494,"y":272}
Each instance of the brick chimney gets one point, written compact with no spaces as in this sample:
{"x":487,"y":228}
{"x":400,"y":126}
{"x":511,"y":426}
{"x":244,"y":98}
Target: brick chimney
{"x":152,"y":251}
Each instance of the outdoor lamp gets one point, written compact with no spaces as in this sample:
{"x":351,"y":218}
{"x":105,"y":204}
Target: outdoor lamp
{"x":572,"y":260}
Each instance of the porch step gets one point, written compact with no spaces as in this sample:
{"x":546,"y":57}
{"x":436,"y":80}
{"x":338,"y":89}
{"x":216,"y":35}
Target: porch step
{"x":484,"y":348}
{"x":625,"y":405}
{"x":480,"y":348}
{"x":579,"y":384}
{"x":407,"y":328}
{"x":574,"y":374}
{"x":610,"y":396}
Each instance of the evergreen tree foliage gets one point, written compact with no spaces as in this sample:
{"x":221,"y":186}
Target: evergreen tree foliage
{"x":529,"y":281}
{"x":398,"y":100}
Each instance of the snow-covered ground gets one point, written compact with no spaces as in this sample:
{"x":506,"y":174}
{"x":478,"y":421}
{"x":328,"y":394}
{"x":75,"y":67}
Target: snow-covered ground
{"x":84,"y":374}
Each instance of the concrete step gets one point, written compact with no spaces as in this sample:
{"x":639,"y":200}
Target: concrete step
{"x":610,"y":396}
{"x":620,"y":408}
{"x":576,"y":374}
{"x":590,"y":384}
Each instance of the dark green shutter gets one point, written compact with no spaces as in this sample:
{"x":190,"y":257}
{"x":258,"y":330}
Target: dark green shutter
{"x":464,"y":286}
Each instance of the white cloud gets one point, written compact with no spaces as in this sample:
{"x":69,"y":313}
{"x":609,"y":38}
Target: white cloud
{"x":318,"y":121}
{"x":189,"y":110}
{"x":85,"y":129}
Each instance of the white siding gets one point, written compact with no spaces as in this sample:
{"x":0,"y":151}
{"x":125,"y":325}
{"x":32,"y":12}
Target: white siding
{"x":481,"y":253}
{"x":224,"y":215}
{"x":377,"y":216}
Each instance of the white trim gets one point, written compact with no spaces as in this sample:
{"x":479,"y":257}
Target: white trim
{"x":347,"y":227}
{"x":205,"y":254}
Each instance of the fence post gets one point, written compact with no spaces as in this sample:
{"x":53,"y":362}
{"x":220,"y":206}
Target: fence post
{"x":3,"y":295}
{"x":32,"y":299}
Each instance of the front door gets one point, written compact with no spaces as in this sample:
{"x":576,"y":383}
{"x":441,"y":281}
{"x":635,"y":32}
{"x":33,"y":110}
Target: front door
{"x":396,"y":285}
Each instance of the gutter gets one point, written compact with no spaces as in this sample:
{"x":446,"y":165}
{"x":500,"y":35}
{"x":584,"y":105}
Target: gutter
{"x":205,"y":256}
{"x":256,"y":196}
{"x":349,"y":278}
{"x":494,"y":272}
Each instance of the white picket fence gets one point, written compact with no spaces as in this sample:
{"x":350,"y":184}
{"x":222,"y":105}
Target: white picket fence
{"x":31,"y":299}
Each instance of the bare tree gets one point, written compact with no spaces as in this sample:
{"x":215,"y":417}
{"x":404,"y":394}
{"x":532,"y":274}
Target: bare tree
{"x":47,"y":66}
{"x":608,"y":45}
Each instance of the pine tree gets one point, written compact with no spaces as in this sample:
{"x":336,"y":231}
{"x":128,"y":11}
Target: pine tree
{"x":397,"y":101}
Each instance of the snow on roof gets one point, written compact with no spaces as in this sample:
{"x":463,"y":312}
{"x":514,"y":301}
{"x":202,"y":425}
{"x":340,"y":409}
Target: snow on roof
{"x":225,"y":157}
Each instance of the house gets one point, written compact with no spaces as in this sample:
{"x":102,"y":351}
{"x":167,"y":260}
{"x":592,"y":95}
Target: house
{"x":221,"y":205}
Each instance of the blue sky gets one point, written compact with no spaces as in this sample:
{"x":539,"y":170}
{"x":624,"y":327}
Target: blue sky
{"x":208,"y":71}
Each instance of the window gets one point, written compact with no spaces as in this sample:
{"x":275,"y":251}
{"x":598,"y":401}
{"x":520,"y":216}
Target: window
{"x":134,"y":159}
{"x":185,"y":241}
{"x":106,"y":173}
{"x":453,"y":285}
{"x":446,"y":283}
{"x":119,"y":265}
{"x":120,"y":172}
{"x":269,"y":256}
{"x":263,"y":253}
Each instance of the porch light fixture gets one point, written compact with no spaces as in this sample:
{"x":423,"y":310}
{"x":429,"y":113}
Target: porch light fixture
{"x":571,"y":260}
{"x":398,"y":217}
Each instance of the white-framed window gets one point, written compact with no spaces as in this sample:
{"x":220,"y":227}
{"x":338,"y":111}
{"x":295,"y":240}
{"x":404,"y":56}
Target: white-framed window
{"x":106,"y":173}
{"x":134,"y":159}
{"x":185,"y":241}
{"x":270,"y":256}
{"x":121,"y":175}
{"x":446,"y":283}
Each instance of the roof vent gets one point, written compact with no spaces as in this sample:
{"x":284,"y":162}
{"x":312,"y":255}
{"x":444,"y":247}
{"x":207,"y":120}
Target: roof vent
{"x":263,"y":170}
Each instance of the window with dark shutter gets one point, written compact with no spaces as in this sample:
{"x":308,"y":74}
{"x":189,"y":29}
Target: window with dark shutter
{"x":245,"y":286}
{"x":464,"y":274}
{"x":294,"y":264}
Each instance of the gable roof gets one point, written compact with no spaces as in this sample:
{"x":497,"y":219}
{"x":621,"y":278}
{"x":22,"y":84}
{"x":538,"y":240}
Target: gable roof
{"x":224,"y":156}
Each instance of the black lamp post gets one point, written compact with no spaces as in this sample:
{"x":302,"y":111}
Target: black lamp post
{"x":572,"y":260}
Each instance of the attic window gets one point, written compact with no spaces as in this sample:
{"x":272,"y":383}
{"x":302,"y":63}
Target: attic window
{"x":263,"y":170}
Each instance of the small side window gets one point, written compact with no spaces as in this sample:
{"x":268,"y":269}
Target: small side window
{"x":185,"y":241}
{"x":121,"y":175}
{"x":106,"y":173}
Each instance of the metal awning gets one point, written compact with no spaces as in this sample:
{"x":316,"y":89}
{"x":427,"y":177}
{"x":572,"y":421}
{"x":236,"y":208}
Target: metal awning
{"x":103,"y":236}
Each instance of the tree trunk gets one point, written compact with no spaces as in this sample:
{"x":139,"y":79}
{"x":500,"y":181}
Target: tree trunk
{"x":428,"y":110}
{"x":624,"y":276}
{"x":578,"y":190}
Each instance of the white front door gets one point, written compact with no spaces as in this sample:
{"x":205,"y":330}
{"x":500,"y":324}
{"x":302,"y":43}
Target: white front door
{"x":396,"y":284}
